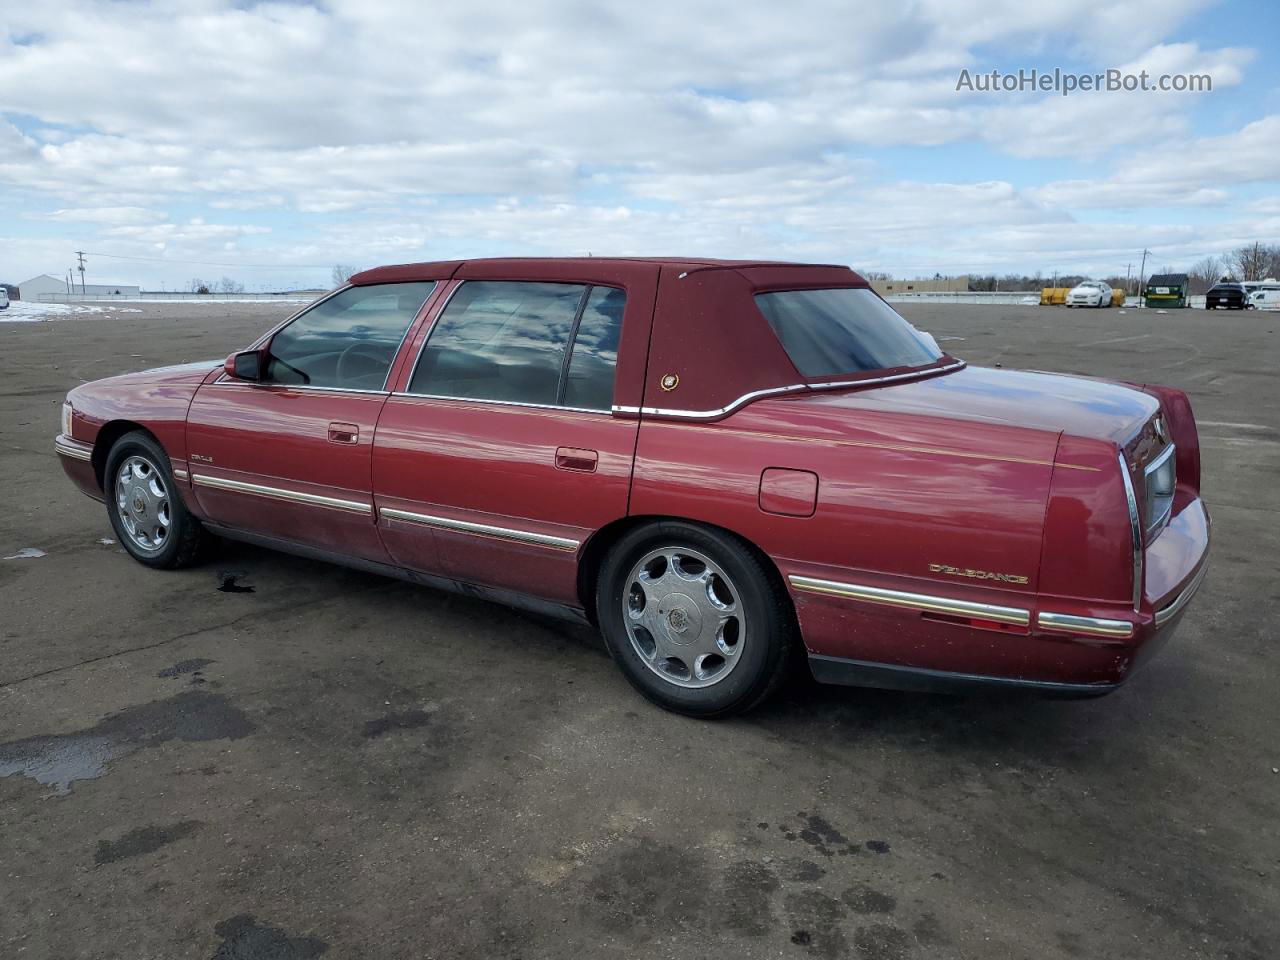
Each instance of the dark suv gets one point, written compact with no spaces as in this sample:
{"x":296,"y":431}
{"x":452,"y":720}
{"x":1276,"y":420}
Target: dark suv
{"x":1227,"y":294}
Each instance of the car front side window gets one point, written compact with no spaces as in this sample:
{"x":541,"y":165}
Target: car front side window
{"x":508,"y":341}
{"x":347,"y":341}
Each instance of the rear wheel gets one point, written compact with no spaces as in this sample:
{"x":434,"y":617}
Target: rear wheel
{"x":146,"y":512}
{"x":694,"y":619}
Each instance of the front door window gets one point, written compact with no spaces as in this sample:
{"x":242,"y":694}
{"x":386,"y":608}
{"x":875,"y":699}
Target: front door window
{"x":347,"y":341}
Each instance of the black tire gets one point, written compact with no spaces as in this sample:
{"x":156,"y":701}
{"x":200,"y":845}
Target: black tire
{"x":769,"y":618}
{"x":186,"y":540}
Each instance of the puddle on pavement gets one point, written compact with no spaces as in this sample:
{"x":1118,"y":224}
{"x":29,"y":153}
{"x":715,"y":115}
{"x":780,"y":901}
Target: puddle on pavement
{"x":59,"y":760}
{"x":230,"y":583}
{"x":194,"y":665}
{"x":27,"y":553}
{"x":409,"y":720}
{"x":243,"y":938}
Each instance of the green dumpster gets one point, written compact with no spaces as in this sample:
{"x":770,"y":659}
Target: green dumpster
{"x":1166,"y":290}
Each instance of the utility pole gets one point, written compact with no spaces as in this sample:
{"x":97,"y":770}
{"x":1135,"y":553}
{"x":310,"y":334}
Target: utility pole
{"x":80,"y":254}
{"x":1142,"y":273}
{"x":1128,"y":269}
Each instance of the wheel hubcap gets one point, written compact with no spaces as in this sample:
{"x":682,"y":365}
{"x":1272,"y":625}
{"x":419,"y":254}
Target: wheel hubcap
{"x":142,"y":504}
{"x":684,"y":617}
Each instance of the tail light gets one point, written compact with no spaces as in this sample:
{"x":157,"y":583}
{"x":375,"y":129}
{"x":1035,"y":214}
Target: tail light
{"x":1182,"y":433}
{"x":1160,"y":480}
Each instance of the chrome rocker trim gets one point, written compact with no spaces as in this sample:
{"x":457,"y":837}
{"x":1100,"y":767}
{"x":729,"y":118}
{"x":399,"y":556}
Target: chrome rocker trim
{"x":926,"y":603}
{"x":1088,"y":626}
{"x":278,"y":493}
{"x":74,"y":449}
{"x":1174,"y":607}
{"x":482,"y":529}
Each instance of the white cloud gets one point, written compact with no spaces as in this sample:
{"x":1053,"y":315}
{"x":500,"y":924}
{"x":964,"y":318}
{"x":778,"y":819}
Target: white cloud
{"x":106,"y":215}
{"x":357,"y":130}
{"x":1195,"y":173}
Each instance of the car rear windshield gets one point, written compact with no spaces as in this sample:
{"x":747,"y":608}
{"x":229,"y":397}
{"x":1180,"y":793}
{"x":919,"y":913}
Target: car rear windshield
{"x":847,"y":330}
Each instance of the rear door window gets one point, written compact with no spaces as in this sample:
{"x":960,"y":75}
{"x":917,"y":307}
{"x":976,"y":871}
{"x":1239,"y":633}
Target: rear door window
{"x":588,"y":383}
{"x":509,"y":341}
{"x":843,"y":331}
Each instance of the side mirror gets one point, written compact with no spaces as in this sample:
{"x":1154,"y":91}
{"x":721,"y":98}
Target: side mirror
{"x":249,"y":365}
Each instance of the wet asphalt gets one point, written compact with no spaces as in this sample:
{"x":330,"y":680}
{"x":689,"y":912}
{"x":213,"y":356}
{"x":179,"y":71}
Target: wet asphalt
{"x":267,"y":758}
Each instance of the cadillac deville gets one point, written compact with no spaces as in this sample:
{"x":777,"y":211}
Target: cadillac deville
{"x":723,"y":465}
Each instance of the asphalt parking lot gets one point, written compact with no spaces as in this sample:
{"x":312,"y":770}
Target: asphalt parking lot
{"x":270,"y":758}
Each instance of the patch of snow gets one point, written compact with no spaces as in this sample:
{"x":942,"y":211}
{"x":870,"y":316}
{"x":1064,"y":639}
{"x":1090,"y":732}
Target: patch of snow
{"x":27,"y":553}
{"x":28,"y":311}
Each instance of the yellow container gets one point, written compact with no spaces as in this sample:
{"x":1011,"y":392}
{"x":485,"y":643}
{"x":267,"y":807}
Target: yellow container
{"x":1053,"y":296}
{"x":1117,"y":297}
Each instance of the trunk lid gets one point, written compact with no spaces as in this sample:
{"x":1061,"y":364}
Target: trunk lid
{"x":1051,"y":402}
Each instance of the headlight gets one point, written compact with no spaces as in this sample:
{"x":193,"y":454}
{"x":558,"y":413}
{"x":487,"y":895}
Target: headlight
{"x":1160,"y":476}
{"x":66,"y":419}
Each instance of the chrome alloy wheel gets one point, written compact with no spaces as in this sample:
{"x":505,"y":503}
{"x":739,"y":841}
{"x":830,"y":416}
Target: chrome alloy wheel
{"x":684,"y":617}
{"x":142,"y":504}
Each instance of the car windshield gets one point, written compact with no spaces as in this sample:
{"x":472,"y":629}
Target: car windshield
{"x":845,"y":330}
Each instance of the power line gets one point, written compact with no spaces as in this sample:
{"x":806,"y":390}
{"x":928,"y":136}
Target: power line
{"x":215,"y":263}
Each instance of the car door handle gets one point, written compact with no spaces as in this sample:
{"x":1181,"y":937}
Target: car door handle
{"x":574,"y":458}
{"x":343,"y":433}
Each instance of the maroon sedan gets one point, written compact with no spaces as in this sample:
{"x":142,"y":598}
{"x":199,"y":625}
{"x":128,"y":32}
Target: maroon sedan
{"x":715,"y":462}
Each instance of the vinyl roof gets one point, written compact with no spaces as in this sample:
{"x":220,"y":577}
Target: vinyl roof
{"x":491,"y":266}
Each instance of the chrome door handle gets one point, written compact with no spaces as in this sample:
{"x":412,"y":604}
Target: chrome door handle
{"x":343,"y":433}
{"x":575,"y":458}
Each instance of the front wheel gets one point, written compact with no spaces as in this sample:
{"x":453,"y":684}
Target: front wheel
{"x":695,"y":620}
{"x":146,"y":512}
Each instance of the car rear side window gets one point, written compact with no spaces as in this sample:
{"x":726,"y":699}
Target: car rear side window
{"x":510,"y":341}
{"x":349,"y":340}
{"x":589,"y":380}
{"x":843,"y":331}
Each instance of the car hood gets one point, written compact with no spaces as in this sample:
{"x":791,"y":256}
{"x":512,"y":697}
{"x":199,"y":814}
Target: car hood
{"x":182,"y":378}
{"x":1050,"y":402}
{"x":178,"y":373}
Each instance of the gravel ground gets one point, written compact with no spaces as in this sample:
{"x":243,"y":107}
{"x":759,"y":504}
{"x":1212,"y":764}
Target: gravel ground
{"x":269,"y":758}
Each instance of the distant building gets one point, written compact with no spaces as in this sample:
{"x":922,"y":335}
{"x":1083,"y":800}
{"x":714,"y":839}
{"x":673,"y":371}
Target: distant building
{"x":933,"y":285}
{"x":45,"y":285}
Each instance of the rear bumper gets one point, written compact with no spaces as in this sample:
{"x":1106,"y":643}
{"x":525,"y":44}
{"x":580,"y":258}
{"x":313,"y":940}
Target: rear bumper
{"x":886,"y":676}
{"x":869,"y":636}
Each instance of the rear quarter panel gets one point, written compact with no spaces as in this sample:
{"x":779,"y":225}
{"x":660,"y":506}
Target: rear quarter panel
{"x":898,"y":496}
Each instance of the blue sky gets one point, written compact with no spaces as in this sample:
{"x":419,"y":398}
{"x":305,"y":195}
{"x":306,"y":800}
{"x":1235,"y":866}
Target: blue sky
{"x":267,"y":142}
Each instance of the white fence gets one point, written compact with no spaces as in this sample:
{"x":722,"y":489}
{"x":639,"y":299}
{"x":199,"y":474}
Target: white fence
{"x":1011,"y":297}
{"x":171,"y":296}
{"x":989,"y":296}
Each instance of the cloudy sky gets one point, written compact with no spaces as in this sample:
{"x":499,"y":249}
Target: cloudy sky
{"x":271,"y":140}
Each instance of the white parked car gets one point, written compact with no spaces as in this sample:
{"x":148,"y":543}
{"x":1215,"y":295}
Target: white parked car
{"x":1090,"y":293}
{"x":1262,"y":294}
{"x":4,"y":299}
